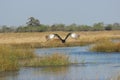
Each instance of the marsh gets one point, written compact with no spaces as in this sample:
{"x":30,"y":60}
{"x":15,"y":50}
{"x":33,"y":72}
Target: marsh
{"x":89,"y":66}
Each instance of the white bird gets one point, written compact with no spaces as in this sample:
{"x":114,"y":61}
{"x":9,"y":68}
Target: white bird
{"x":72,"y":35}
{"x":51,"y":36}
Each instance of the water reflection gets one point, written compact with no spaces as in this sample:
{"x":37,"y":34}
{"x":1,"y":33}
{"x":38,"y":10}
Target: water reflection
{"x":55,"y":70}
{"x":8,"y":74}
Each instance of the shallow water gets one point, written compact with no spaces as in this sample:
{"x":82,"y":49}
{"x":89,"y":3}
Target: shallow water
{"x":91,"y":66}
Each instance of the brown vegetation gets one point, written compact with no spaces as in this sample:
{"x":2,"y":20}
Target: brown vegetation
{"x":55,"y":59}
{"x":38,"y":39}
{"x":14,"y":47}
{"x":106,"y":46}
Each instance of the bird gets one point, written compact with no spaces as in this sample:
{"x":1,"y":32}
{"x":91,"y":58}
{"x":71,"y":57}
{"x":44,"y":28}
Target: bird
{"x":72,"y":35}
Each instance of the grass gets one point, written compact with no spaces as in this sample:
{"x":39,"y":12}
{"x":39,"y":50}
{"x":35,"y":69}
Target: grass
{"x":16,"y":49}
{"x":106,"y":46}
{"x":37,"y":40}
{"x":55,"y":59}
{"x":10,"y":56}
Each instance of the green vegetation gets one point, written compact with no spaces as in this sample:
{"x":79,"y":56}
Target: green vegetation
{"x":106,"y":46}
{"x":55,"y":59}
{"x":34,"y":25}
{"x":10,"y":56}
{"x":33,"y":22}
{"x":17,"y":49}
{"x":8,"y":61}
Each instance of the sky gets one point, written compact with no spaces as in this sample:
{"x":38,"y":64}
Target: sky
{"x":88,"y":12}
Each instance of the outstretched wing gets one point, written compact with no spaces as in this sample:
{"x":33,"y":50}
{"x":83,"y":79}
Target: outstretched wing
{"x":67,"y":36}
{"x":75,"y":36}
{"x":48,"y":37}
{"x":58,"y":37}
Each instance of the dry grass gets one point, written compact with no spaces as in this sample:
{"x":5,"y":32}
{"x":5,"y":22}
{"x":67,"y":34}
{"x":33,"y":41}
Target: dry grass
{"x":10,"y":56}
{"x":16,"y":46}
{"x":107,"y":46}
{"x":55,"y":59}
{"x":38,"y":39}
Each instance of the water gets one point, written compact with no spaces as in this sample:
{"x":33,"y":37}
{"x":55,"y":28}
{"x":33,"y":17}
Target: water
{"x":91,"y":66}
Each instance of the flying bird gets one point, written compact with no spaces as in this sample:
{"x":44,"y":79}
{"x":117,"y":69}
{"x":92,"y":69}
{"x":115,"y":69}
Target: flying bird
{"x":72,"y":35}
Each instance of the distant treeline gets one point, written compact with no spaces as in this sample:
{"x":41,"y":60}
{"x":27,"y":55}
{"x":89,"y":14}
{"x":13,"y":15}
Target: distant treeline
{"x":33,"y":25}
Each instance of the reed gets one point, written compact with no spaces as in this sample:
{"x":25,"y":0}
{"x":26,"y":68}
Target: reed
{"x":8,"y":61}
{"x":106,"y":46}
{"x":16,"y":49}
{"x":55,"y":59}
{"x":10,"y":56}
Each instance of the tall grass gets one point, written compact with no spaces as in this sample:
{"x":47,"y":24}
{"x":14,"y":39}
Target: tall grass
{"x":8,"y":61}
{"x":15,"y":47}
{"x":55,"y":59}
{"x":106,"y":46}
{"x":10,"y":56}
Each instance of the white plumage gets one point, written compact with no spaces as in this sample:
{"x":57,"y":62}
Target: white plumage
{"x":51,"y":36}
{"x":72,"y":35}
